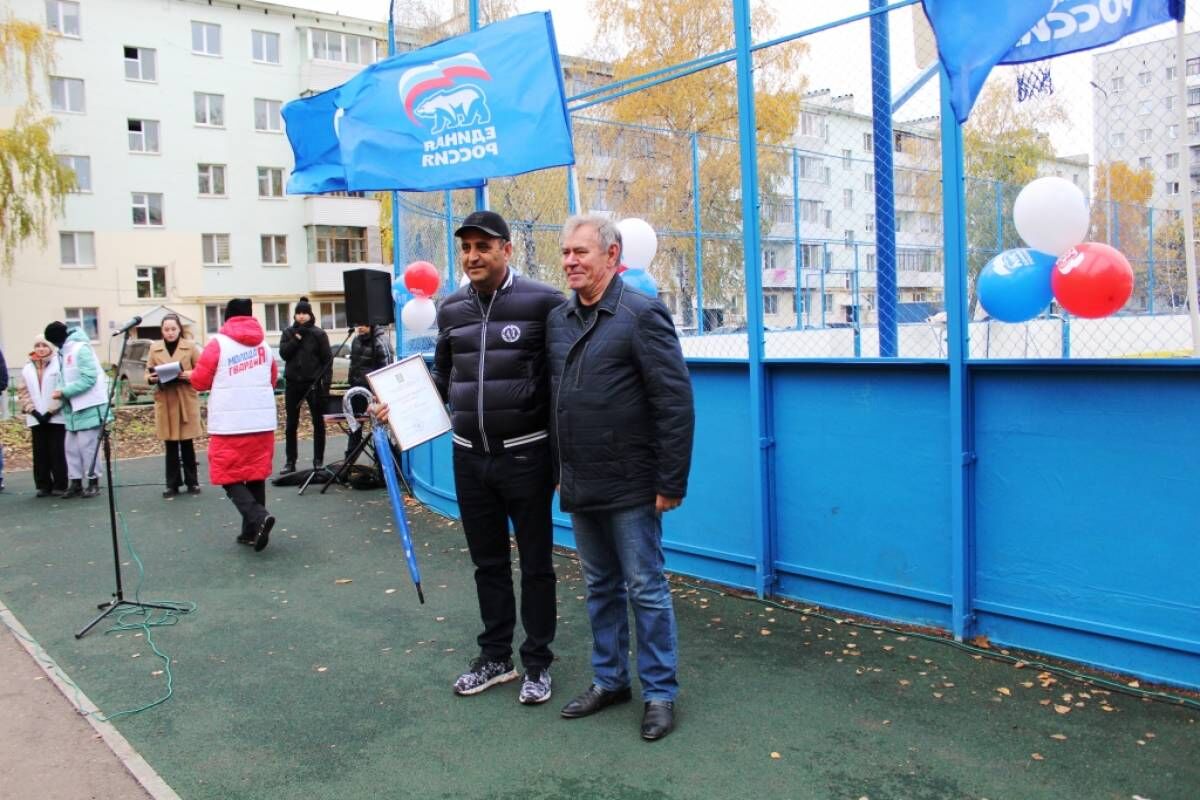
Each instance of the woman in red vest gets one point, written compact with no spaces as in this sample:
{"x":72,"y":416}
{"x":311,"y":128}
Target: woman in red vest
{"x":238,"y":370}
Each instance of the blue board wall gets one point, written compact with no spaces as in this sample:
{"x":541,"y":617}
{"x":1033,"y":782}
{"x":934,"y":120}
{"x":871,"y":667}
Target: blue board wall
{"x":1084,"y":541}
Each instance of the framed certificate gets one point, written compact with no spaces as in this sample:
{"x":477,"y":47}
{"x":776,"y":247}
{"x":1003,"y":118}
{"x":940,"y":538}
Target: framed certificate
{"x":416,"y":412}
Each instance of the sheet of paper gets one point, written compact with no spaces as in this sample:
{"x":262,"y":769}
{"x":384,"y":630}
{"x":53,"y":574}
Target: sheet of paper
{"x":416,"y":412}
{"x":168,"y":372}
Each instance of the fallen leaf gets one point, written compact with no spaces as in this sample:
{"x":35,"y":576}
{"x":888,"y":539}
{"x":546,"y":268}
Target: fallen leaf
{"x":341,"y":581}
{"x":1038,"y":757}
{"x":1062,"y":709}
{"x":1134,"y":685}
{"x":938,"y":695}
{"x":389,"y":591}
{"x":1004,"y":690}
{"x":904,"y":682}
{"x":775,"y":755}
{"x":765,"y":631}
{"x":322,"y":669}
{"x":1058,"y":736}
{"x":1020,"y":665}
{"x":157,"y":672}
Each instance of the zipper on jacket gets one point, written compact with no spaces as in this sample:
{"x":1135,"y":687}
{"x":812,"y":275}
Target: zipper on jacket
{"x":558,"y":439}
{"x":486,"y":313}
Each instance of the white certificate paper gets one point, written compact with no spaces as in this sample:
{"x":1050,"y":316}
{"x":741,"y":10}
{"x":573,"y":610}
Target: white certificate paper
{"x":416,"y":412}
{"x":168,"y":372}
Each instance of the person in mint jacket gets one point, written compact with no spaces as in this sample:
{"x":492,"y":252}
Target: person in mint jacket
{"x":84,"y":392}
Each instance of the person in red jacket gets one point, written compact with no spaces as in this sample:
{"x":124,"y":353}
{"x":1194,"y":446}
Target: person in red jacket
{"x":238,"y":370}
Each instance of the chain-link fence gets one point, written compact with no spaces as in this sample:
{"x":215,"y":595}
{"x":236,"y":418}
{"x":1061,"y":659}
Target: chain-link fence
{"x":851,"y":224}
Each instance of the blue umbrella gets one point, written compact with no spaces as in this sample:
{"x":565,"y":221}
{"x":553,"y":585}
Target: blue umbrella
{"x":383,"y":450}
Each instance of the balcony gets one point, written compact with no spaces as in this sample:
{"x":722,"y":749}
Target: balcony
{"x":327,"y":277}
{"x":353,"y":212}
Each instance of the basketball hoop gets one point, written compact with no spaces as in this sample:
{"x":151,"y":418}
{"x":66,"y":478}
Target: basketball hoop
{"x":1033,"y":80}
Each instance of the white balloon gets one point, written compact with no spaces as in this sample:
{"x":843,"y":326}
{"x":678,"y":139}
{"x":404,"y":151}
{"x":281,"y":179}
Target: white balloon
{"x":638,"y":243}
{"x":465,"y":280}
{"x":418,"y":315}
{"x":1051,"y":215}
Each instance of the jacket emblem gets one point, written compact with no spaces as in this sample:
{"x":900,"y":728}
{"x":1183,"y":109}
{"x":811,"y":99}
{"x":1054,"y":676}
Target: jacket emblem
{"x":510,"y":333}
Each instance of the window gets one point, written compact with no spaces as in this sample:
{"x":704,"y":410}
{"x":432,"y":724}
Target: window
{"x":847,"y":198}
{"x":210,"y":109}
{"x":1143,"y":135}
{"x":811,"y":169}
{"x":66,"y":94}
{"x":869,"y":181}
{"x":214,"y":315}
{"x":780,"y":211}
{"x":344,"y":47}
{"x":85,"y":318}
{"x":770,"y":304}
{"x":1170,"y":73}
{"x":140,"y":64}
{"x":77,"y":248}
{"x":264,"y":47}
{"x":215,"y":249}
{"x":1193,"y":126}
{"x":82,"y":167}
{"x":340,"y":245}
{"x":925,"y":221}
{"x":1116,"y":139}
{"x":1172,"y":187}
{"x":869,"y":223}
{"x":810,"y":256}
{"x":1193,"y":96}
{"x":769,"y":258}
{"x":143,"y":135}
{"x":62,"y":17}
{"x":211,"y":179}
{"x":812,"y":124}
{"x":274,"y":248}
{"x":1194,"y":154}
{"x":267,"y":116}
{"x":1172,"y":131}
{"x":915,"y":260}
{"x":1118,"y":83}
{"x":1144,"y":162}
{"x":1144,"y":78}
{"x":848,"y":237}
{"x":1144,"y":107}
{"x":270,"y":181}
{"x":1172,"y":160}
{"x":147,"y":209}
{"x":906,"y":182}
{"x":276,"y":316}
{"x":847,"y":159}
{"x":206,"y":38}
{"x":870,"y":262}
{"x":1169,"y":102}
{"x":151,"y":283}
{"x":828,"y":218}
{"x":1192,"y":67}
{"x":810,"y":210}
{"x":868,"y":142}
{"x":333,"y":315}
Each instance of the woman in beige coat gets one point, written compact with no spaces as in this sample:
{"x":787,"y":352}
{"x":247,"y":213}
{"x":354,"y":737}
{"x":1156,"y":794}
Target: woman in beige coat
{"x":176,"y":405}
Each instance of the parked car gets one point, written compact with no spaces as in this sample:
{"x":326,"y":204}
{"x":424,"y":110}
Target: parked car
{"x":131,"y":372}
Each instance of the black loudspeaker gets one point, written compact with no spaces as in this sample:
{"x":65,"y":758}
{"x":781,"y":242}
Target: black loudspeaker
{"x":368,"y":297}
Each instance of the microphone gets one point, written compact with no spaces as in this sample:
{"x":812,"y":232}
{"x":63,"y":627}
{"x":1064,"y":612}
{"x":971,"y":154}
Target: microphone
{"x":133,"y":323}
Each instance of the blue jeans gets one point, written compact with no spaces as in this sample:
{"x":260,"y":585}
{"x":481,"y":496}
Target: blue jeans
{"x":622,"y":558}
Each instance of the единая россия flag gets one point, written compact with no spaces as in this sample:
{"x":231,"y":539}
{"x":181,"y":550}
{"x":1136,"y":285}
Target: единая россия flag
{"x":973,"y":36}
{"x":448,"y":116}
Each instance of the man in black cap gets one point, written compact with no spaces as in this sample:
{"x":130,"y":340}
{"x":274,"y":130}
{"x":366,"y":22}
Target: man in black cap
{"x":490,"y":366}
{"x":304,"y":349}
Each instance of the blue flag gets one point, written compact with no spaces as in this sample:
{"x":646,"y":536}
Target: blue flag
{"x":448,"y":116}
{"x":972,"y":36}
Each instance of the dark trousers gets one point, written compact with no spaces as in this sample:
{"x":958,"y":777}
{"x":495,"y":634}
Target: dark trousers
{"x":295,"y":395}
{"x":358,"y":404}
{"x":49,"y":457}
{"x":250,"y":499}
{"x":181,"y":464}
{"x":517,"y":486}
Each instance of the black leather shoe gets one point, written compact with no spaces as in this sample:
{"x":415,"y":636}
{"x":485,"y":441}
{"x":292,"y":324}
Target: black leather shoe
{"x":193,"y":490}
{"x":595,"y":699}
{"x":171,"y":492}
{"x":264,"y":533}
{"x":288,"y":467}
{"x":247,"y":538}
{"x":658,"y":720}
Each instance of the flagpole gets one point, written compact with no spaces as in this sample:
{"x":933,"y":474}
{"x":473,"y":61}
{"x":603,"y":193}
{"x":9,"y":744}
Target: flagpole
{"x":397,"y":234}
{"x":1189,"y":232}
{"x":481,"y":195}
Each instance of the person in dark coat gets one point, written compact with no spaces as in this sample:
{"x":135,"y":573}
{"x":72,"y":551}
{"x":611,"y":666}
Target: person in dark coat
{"x":308,"y":373}
{"x":370,"y":350}
{"x":490,"y":365}
{"x":623,"y":423}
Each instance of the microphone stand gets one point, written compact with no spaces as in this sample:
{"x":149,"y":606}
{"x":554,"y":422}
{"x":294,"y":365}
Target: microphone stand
{"x":304,"y":401}
{"x":118,"y":600}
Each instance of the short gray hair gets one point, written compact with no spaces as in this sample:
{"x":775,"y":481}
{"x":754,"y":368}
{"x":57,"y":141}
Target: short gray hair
{"x":606,"y":229}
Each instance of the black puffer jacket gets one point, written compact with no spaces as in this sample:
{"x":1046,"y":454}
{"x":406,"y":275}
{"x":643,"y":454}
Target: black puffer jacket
{"x":369,"y":353}
{"x":490,"y":364}
{"x":308,"y":357}
{"x":623,"y":413}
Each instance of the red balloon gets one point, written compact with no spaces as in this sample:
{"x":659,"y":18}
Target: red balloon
{"x":422,"y":278}
{"x":621,"y":269}
{"x":1092,"y":280}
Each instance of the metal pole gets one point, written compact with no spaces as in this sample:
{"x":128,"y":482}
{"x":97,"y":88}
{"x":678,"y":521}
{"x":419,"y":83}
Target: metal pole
{"x":481,"y":197}
{"x":397,"y":231}
{"x":962,"y":418}
{"x":885,"y":199}
{"x":762,"y":515}
{"x":855,"y":309}
{"x":1189,"y":232}
{"x":824,"y":269}
{"x":1150,"y":261}
{"x":798,"y":301}
{"x":698,"y":238}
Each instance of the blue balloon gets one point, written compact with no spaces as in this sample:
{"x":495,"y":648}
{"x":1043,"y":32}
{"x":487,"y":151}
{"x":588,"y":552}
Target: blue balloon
{"x":641,"y":281}
{"x":1015,"y":285}
{"x":400,"y":292}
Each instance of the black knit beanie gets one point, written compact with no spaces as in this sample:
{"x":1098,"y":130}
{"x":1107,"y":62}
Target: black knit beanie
{"x":56,"y":334}
{"x":239,"y":307}
{"x":303,"y":307}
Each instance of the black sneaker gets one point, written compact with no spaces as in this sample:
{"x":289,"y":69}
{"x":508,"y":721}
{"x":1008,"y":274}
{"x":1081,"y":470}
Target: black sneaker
{"x":484,"y":674}
{"x":264,"y":534}
{"x":535,"y":688}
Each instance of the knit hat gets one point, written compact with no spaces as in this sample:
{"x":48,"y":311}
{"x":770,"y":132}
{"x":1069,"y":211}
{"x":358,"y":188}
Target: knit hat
{"x":56,"y":334}
{"x":239,"y":307}
{"x":303,"y":307}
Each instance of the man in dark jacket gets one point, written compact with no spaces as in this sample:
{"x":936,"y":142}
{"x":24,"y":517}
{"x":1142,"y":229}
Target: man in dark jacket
{"x":490,"y":365}
{"x":370,"y":350}
{"x":304,"y":349}
{"x":623,"y":425}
